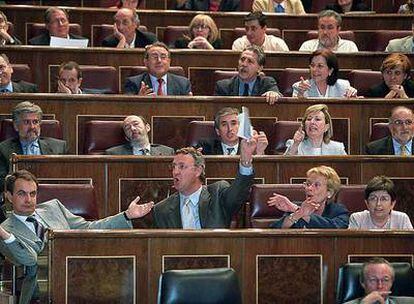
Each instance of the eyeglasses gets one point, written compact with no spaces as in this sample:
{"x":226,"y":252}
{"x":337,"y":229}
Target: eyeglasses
{"x":309,"y":184}
{"x":400,"y":122}
{"x":180,"y":166}
{"x":158,"y":56}
{"x":27,"y":122}
{"x":382,"y":199}
{"x":327,"y":27}
{"x":317,"y":66}
{"x":385,"y":280}
{"x":200,"y":27}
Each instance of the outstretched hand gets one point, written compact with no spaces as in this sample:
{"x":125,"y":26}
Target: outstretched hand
{"x":136,"y":210}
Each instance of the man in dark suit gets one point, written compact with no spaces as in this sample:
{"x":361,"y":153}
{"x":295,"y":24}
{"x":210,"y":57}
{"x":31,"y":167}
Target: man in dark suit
{"x":157,"y":81}
{"x":250,"y":80}
{"x":26,"y":120}
{"x":126,"y":33}
{"x":6,"y":83}
{"x":5,"y":37}
{"x":57,"y":25}
{"x":377,"y":277}
{"x":136,"y":130}
{"x":211,"y":5}
{"x":23,"y":234}
{"x":226,"y":124}
{"x":196,"y":206}
{"x":401,"y":126}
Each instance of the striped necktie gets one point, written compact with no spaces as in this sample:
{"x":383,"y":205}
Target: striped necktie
{"x":39,"y":228}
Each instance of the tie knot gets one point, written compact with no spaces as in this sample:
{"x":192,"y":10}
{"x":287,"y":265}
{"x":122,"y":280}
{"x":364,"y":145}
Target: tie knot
{"x":31,"y":219}
{"x":280,"y":8}
{"x":145,"y":151}
{"x":404,"y":151}
{"x":230,"y":151}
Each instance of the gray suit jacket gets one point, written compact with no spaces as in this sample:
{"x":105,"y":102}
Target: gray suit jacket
{"x":27,"y":246}
{"x":218,"y":202}
{"x":126,"y":149}
{"x":48,"y":146}
{"x":403,"y":45}
{"x":24,"y":87}
{"x":176,"y":85}
{"x":392,"y":300}
{"x":230,"y":87}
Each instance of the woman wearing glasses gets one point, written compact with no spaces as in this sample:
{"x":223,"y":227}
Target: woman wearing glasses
{"x":324,"y":81}
{"x":202,"y":34}
{"x":318,"y":210}
{"x":397,"y":83}
{"x":314,"y":135}
{"x":380,"y":199}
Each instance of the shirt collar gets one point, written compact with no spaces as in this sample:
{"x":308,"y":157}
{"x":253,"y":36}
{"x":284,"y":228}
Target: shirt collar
{"x":155,"y":79}
{"x":25,"y":143}
{"x":224,"y":147}
{"x":132,"y":44}
{"x":194,"y":197}
{"x":283,"y":4}
{"x":397,"y":147}
{"x":23,"y":218}
{"x":8,"y":87}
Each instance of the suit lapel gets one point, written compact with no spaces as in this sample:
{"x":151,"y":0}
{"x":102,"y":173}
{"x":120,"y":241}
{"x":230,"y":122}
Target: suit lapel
{"x":203,"y":206}
{"x":235,"y":88}
{"x":16,"y":147}
{"x":155,"y":150}
{"x":174,"y":215}
{"x":255,"y":91}
{"x":44,"y":147}
{"x":390,"y":146}
{"x":18,"y":228}
{"x":147,"y":80}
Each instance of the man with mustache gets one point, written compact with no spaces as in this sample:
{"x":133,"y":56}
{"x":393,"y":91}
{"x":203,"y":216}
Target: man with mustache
{"x":329,"y":26}
{"x":26,"y":120}
{"x":400,"y":142}
{"x":250,"y":80}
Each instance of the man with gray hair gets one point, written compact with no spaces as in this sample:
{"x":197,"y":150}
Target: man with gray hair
{"x":6,"y":83}
{"x":26,"y":121}
{"x":250,"y":80}
{"x":329,"y":26}
{"x":126,"y":33}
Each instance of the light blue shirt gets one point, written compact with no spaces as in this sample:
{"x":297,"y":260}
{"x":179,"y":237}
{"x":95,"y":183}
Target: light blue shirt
{"x":31,"y":148}
{"x":8,"y":87}
{"x":155,"y":84}
{"x":397,"y":147}
{"x":241,"y":86}
{"x":194,"y":197}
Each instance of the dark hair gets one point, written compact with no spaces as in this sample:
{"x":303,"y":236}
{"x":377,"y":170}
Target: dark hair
{"x":156,"y":44}
{"x":70,"y":65}
{"x":10,"y":179}
{"x":375,"y":261}
{"x":259,"y":16}
{"x":51,"y":10}
{"x":331,"y":62}
{"x":198,"y":159}
{"x":261,"y":57}
{"x":379,"y":183}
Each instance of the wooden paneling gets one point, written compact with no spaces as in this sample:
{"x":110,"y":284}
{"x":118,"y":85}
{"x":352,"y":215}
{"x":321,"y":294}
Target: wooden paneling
{"x":272,"y":265}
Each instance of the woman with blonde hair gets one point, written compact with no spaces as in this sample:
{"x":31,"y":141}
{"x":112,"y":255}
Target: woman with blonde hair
{"x":314,"y":135}
{"x":202,"y":34}
{"x":318,"y":210}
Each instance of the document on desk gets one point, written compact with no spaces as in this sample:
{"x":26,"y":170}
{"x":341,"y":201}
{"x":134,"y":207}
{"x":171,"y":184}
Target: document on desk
{"x":63,"y":42}
{"x":245,"y":126}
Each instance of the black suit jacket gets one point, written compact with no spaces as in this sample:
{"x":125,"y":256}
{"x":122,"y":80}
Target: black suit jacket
{"x":24,"y":87}
{"x":142,"y":39}
{"x":176,"y":85}
{"x":230,"y":87}
{"x":204,"y":5}
{"x":383,"y":146}
{"x":44,"y":39}
{"x":382,"y":89}
{"x":218,"y":202}
{"x":212,"y":147}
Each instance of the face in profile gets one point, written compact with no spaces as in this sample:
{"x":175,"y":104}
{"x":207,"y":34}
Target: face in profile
{"x":158,"y":61}
{"x":228,"y":128}
{"x":28,"y":126}
{"x":23,"y":197}
{"x":328,"y":31}
{"x":6,"y":72}
{"x":58,"y":25}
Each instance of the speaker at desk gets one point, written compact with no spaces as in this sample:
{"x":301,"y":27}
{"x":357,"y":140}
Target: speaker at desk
{"x":199,"y":286}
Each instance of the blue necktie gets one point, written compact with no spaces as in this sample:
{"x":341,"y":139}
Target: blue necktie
{"x":279,"y":9}
{"x":246,"y":89}
{"x":4,"y":91}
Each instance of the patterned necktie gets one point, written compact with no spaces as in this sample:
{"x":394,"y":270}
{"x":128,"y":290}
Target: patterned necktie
{"x":39,"y":228}
{"x":279,"y":9}
{"x":403,"y":150}
{"x":188,"y":219}
{"x":230,"y":151}
{"x":246,"y":89}
{"x":144,"y":151}
{"x":160,"y":83}
{"x":4,"y":91}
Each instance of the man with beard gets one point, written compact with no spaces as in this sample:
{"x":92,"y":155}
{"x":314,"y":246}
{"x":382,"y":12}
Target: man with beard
{"x":136,"y":130}
{"x":250,"y":80}
{"x":329,"y":26}
{"x":26,"y":120}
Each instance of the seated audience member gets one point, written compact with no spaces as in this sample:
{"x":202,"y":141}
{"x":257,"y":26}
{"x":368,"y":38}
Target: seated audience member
{"x":203,"y":34}
{"x":23,"y":235}
{"x":136,"y":130}
{"x":294,"y":7}
{"x":126,"y":33}
{"x":314,"y":135}
{"x":346,"y":6}
{"x":407,"y":8}
{"x":6,"y":83}
{"x":226,"y":124}
{"x":209,"y":5}
{"x":400,"y":142}
{"x":318,"y":210}
{"x":157,"y":80}
{"x":57,"y":25}
{"x":5,"y":37}
{"x":377,"y":277}
{"x":380,"y":199}
{"x":132,"y":4}
{"x":329,"y":26}
{"x":397,"y":83}
{"x":401,"y":45}
{"x":26,"y":120}
{"x":195,"y":206}
{"x":250,"y":81}
{"x":255,"y":25}
{"x":324,"y":80}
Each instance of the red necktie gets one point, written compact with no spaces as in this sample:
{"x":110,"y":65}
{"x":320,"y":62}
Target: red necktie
{"x":159,"y":91}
